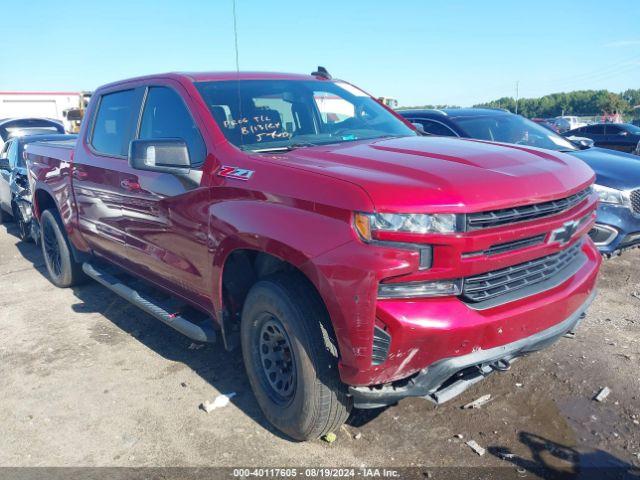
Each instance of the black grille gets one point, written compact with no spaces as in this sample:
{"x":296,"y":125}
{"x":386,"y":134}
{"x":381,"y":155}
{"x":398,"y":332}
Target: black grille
{"x":635,"y":200}
{"x":381,"y":344}
{"x":515,"y":245}
{"x":506,"y":216}
{"x":499,"y":282}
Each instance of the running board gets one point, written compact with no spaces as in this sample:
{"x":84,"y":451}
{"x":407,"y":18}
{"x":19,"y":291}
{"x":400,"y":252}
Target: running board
{"x":200,"y":333}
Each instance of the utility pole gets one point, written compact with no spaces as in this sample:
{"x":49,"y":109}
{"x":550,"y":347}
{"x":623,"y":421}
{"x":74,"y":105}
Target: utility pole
{"x":517,"y":89}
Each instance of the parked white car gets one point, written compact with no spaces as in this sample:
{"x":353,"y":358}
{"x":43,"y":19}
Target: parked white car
{"x":567,"y":122}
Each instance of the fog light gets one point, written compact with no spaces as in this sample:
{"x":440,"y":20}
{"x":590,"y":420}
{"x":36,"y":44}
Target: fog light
{"x":603,"y":235}
{"x":437,"y":288}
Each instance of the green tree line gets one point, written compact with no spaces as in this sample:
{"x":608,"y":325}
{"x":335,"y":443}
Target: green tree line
{"x":580,"y":102}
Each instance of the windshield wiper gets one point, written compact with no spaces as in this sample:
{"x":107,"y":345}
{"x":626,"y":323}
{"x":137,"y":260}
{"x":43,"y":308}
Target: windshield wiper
{"x":284,"y":148}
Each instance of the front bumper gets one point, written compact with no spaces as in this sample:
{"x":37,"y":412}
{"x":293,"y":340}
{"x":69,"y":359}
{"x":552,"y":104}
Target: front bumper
{"x":623,"y":225}
{"x":448,"y":378}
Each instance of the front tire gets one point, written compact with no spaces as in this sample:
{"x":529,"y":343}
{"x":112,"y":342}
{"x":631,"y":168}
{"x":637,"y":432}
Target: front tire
{"x":291,"y":358}
{"x":24,"y":228}
{"x":63,"y":270}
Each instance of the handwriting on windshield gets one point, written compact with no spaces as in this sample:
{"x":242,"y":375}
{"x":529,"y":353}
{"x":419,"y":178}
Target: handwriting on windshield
{"x":262,"y":126}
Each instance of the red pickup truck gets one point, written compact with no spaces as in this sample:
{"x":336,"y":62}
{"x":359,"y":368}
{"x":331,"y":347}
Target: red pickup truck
{"x":353,"y":261}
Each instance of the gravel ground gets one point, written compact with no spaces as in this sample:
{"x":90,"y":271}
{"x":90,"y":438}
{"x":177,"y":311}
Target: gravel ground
{"x":88,"y":380}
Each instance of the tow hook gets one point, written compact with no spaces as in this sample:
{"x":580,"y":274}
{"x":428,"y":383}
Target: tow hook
{"x":501,"y":365}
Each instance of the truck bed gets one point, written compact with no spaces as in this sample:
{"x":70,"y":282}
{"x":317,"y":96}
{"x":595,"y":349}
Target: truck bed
{"x":57,"y":149}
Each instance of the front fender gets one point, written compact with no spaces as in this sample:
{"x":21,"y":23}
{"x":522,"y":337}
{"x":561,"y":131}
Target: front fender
{"x":293,"y":233}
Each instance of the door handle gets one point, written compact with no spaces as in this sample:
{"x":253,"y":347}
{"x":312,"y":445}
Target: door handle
{"x":130,"y":185}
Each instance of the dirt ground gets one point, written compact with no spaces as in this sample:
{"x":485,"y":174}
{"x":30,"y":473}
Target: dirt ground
{"x":88,"y":380}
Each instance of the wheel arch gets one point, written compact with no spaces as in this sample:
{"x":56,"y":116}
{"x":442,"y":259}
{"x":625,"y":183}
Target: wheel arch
{"x":244,"y":265}
{"x":43,"y":200}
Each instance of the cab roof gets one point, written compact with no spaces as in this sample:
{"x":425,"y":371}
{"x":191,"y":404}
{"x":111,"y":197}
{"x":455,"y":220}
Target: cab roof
{"x":193,"y":77}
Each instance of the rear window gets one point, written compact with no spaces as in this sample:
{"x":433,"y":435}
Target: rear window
{"x":112,"y":126}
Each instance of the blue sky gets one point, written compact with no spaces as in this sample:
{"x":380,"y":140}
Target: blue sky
{"x":455,"y":51}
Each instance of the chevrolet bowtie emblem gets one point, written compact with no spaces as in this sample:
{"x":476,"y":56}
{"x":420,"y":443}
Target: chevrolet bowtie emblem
{"x":563,"y":234}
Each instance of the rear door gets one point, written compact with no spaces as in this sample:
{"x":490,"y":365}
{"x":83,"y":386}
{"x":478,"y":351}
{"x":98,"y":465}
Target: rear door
{"x":165,"y":216}
{"x":97,"y":164}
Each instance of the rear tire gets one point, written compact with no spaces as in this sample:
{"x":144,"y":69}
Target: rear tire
{"x":291,"y":358}
{"x":63,"y":270}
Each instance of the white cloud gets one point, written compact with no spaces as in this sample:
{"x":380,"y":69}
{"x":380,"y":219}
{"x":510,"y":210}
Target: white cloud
{"x":623,"y":43}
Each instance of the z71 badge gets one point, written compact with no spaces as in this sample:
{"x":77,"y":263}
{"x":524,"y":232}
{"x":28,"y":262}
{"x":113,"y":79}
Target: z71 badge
{"x":235,"y":172}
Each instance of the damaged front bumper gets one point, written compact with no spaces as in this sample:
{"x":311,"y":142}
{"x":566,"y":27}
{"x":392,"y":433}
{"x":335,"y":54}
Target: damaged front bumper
{"x":448,"y":378}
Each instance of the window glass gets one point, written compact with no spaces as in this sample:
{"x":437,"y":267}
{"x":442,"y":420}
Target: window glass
{"x":435,"y":128}
{"x":594,"y":129}
{"x":613,"y":129}
{"x":332,"y":108}
{"x":166,"y":116}
{"x":510,"y":128}
{"x":112,"y":127}
{"x":632,"y":129}
{"x":282,"y":114}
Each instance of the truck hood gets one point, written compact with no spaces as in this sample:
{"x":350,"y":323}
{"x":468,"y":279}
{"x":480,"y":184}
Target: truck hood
{"x":613,"y":169}
{"x":439,"y":174}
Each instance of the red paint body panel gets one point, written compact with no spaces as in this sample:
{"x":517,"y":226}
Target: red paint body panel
{"x":299,"y":206}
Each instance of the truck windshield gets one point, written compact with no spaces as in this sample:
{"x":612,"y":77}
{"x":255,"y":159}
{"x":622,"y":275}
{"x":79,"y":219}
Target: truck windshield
{"x":512,"y":129}
{"x":267,"y":115}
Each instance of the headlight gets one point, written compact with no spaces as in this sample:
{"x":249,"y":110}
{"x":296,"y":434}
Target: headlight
{"x":368,"y":223}
{"x":437,"y":288}
{"x":611,"y":195}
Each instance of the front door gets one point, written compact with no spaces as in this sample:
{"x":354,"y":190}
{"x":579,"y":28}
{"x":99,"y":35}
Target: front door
{"x":165,"y":216}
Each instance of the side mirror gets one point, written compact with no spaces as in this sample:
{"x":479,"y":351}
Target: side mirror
{"x":168,"y":155}
{"x":624,"y":133}
{"x":4,"y":164}
{"x":419,"y":127}
{"x":581,"y":142}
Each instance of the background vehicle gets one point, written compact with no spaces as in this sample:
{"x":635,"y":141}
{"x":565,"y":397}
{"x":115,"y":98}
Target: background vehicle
{"x":615,"y":136}
{"x":53,"y":105}
{"x":15,"y":196}
{"x":617,"y":174}
{"x":72,"y":117}
{"x":16,"y":127}
{"x":298,"y":218}
{"x":567,"y":122}
{"x":547,"y":123}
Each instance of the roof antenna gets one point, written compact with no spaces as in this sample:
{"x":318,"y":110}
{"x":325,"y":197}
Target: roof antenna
{"x":235,"y":35}
{"x":322,"y":73}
